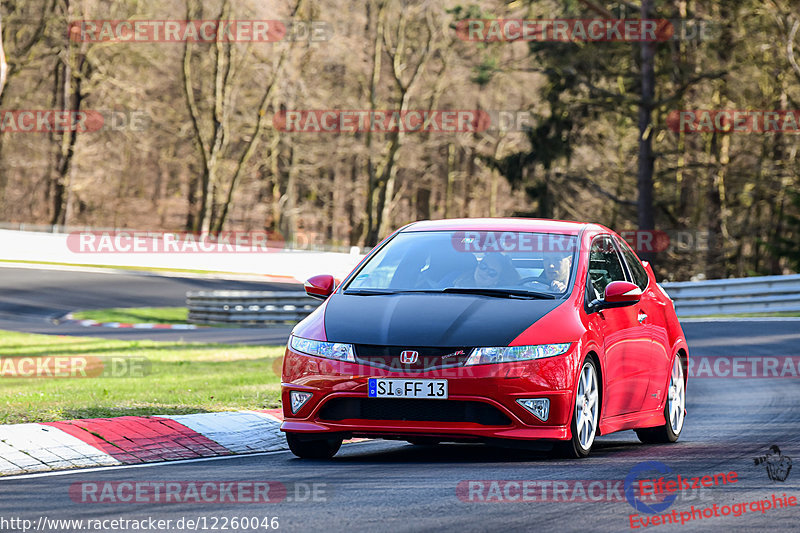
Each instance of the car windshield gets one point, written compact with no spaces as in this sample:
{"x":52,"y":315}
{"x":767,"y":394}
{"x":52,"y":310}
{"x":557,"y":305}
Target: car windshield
{"x":487,"y":261}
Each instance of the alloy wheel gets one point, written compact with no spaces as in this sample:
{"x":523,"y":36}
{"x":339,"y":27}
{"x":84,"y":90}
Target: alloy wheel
{"x":677,"y":397}
{"x":586,"y":406}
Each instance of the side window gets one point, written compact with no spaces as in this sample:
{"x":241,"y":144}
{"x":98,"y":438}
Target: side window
{"x":604,"y":266}
{"x":638,"y":272}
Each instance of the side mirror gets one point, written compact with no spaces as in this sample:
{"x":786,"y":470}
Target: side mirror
{"x":622,"y":292}
{"x":320,"y":287}
{"x":618,"y":294}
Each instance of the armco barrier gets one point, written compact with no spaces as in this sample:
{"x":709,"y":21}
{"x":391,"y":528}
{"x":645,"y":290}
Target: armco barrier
{"x":248,"y":307}
{"x":766,"y":294}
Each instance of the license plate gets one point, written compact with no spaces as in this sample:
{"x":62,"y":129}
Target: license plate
{"x":426,"y":389}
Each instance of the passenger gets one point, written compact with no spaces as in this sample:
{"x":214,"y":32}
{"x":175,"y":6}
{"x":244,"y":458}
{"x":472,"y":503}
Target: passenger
{"x":493,"y":270}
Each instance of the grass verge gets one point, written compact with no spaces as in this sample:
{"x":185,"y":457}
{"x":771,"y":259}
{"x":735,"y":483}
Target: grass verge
{"x":138,"y":378}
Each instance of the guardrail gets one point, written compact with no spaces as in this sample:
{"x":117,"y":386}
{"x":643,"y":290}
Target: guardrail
{"x":248,"y":307}
{"x":765,"y":294}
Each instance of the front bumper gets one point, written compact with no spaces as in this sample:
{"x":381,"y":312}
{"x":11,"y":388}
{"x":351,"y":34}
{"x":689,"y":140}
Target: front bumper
{"x":497,"y":386}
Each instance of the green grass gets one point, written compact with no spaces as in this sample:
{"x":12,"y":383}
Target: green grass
{"x":179,"y":378}
{"x":139,"y":315}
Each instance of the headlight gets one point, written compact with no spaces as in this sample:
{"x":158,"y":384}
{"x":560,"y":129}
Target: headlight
{"x":330,"y":350}
{"x":511,"y":354}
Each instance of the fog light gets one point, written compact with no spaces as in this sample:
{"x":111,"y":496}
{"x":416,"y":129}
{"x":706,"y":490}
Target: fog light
{"x":538,"y":407}
{"x":299,"y":399}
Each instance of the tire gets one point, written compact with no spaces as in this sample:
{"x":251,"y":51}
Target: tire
{"x":586,"y":412}
{"x":674,"y":410}
{"x":311,"y":448}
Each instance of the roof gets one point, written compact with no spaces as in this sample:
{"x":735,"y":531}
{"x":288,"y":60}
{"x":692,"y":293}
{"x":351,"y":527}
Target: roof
{"x":538,"y":225}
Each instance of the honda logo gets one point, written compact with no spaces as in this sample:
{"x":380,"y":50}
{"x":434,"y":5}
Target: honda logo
{"x":408,"y":357}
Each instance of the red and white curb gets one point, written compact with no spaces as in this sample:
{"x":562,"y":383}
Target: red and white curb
{"x":40,"y":447}
{"x":69,"y":319}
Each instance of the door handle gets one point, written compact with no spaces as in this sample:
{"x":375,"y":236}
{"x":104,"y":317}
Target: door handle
{"x":642,"y":317}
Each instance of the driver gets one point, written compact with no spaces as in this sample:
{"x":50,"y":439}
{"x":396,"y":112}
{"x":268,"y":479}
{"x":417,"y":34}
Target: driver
{"x":556,"y":270}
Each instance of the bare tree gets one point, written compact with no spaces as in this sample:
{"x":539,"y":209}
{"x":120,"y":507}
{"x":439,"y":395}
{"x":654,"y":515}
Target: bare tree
{"x":71,"y":71}
{"x":213,"y":133}
{"x":3,"y":64}
{"x":401,"y":56}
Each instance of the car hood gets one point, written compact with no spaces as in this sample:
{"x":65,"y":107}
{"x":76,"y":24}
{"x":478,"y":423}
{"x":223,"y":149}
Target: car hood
{"x":431,"y":320}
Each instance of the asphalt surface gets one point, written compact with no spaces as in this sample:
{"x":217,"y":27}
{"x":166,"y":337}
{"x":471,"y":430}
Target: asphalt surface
{"x":393,"y":486}
{"x":32,"y":300}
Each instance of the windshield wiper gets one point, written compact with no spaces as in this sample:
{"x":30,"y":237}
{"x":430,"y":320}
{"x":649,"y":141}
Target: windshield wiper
{"x":368,"y":292}
{"x":382,"y":292}
{"x":483,"y":291}
{"x":501,"y":293}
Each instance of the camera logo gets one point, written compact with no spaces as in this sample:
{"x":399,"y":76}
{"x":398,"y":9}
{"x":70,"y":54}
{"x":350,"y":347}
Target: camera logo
{"x":778,"y":465}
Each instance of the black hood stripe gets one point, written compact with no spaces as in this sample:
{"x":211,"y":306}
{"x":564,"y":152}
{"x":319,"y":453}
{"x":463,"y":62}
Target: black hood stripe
{"x":435,"y":320}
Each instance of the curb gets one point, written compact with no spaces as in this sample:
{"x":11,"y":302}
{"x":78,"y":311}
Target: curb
{"x":48,"y":446}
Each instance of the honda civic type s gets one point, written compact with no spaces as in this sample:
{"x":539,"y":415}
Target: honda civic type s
{"x":484,"y":329}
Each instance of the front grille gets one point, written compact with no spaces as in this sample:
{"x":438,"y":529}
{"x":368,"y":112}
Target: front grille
{"x":429,"y":358}
{"x":413,"y":410}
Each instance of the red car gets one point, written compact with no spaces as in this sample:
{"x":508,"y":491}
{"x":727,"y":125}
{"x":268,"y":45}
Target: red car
{"x":484,"y":330}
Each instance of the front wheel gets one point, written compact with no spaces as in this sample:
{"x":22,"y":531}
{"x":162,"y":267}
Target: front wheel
{"x":313,"y":448}
{"x":584,"y":419}
{"x":674,"y":410}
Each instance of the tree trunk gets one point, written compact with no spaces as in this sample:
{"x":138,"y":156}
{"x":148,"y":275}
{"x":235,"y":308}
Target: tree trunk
{"x":720,"y":146}
{"x":377,"y":52}
{"x":644,"y":177}
{"x":3,"y":64}
{"x":450,"y":175}
{"x":73,"y":69}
